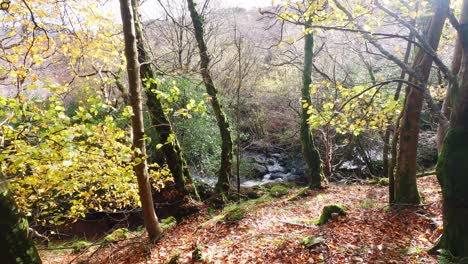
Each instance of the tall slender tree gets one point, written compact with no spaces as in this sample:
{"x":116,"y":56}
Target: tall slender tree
{"x":138,"y":130}
{"x":225,"y":171}
{"x":309,"y":151}
{"x":172,"y":151}
{"x":453,"y":160}
{"x":406,"y":190}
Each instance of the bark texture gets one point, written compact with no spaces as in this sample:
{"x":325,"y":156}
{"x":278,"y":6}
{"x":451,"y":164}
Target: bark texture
{"x":406,"y":190}
{"x":225,"y":171}
{"x":447,"y":106}
{"x":309,"y":150}
{"x":141,"y":169}
{"x":15,"y":245}
{"x":452,"y":166}
{"x":183,"y":183}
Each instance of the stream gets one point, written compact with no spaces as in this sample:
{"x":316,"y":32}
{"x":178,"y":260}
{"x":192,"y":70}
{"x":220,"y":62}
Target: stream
{"x":265,"y":168}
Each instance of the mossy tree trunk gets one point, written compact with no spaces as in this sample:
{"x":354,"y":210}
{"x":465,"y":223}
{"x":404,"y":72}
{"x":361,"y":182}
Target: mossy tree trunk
{"x":138,"y":130}
{"x":15,"y":245}
{"x":309,"y":150}
{"x":446,"y":106}
{"x":406,"y":190}
{"x":452,"y":166}
{"x":225,"y":171}
{"x":172,"y":151}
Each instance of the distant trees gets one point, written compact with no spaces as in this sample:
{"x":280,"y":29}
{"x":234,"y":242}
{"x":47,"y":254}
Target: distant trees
{"x":138,"y":130}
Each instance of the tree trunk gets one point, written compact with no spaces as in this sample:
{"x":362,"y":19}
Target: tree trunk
{"x":386,"y":151}
{"x":327,"y":163}
{"x":138,"y":131}
{"x":406,"y":190}
{"x":309,"y":150}
{"x":16,"y":247}
{"x":183,"y":182}
{"x":446,"y":106}
{"x":453,"y":160}
{"x":396,"y":133}
{"x":224,"y":174}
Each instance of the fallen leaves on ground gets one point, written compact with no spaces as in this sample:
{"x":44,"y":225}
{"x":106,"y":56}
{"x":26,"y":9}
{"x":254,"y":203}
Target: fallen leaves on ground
{"x":272,"y":231}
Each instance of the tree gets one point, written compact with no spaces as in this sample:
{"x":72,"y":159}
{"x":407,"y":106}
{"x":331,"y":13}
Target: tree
{"x":16,"y":247}
{"x":446,"y":106}
{"x":406,"y":190}
{"x":453,"y":160}
{"x":309,"y":151}
{"x":167,"y":139}
{"x":138,"y":130}
{"x":225,"y":171}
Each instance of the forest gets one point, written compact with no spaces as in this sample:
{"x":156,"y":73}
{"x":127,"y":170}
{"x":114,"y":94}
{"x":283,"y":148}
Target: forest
{"x":233,"y":131}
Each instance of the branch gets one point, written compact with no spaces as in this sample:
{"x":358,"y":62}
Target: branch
{"x":430,"y":102}
{"x":427,"y":48}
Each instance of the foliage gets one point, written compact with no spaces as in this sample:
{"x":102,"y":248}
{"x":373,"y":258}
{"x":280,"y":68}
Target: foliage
{"x":194,"y":124}
{"x":48,"y":43}
{"x":60,"y":167}
{"x":352,"y":110}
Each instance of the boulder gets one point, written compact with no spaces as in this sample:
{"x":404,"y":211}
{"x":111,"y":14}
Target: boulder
{"x":279,"y":175}
{"x":259,"y":170}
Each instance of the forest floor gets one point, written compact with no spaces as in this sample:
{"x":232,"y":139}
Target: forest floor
{"x":272,"y":230}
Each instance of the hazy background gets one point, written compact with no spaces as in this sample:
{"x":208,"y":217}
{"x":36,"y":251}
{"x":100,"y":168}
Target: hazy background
{"x":150,"y":8}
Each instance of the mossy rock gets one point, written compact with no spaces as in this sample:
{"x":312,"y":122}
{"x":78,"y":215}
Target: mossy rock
{"x":251,"y":192}
{"x":117,"y":235}
{"x":379,"y":181}
{"x":270,"y":185}
{"x":278,"y":191}
{"x":168,"y":223}
{"x":328,"y":211}
{"x":311,"y":241}
{"x":234,"y":215}
{"x":80,"y":245}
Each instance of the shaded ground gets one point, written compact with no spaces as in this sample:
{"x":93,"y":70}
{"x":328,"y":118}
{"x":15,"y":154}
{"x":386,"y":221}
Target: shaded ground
{"x":272,"y":230}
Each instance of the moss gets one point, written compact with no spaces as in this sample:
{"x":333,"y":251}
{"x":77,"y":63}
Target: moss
{"x":328,"y":211}
{"x":270,"y":185}
{"x":278,"y":191}
{"x":80,"y":245}
{"x":451,"y":173}
{"x":117,"y":235}
{"x":234,"y":214}
{"x":311,"y":241}
{"x":168,"y":223}
{"x":303,"y":192}
{"x":379,"y":181}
